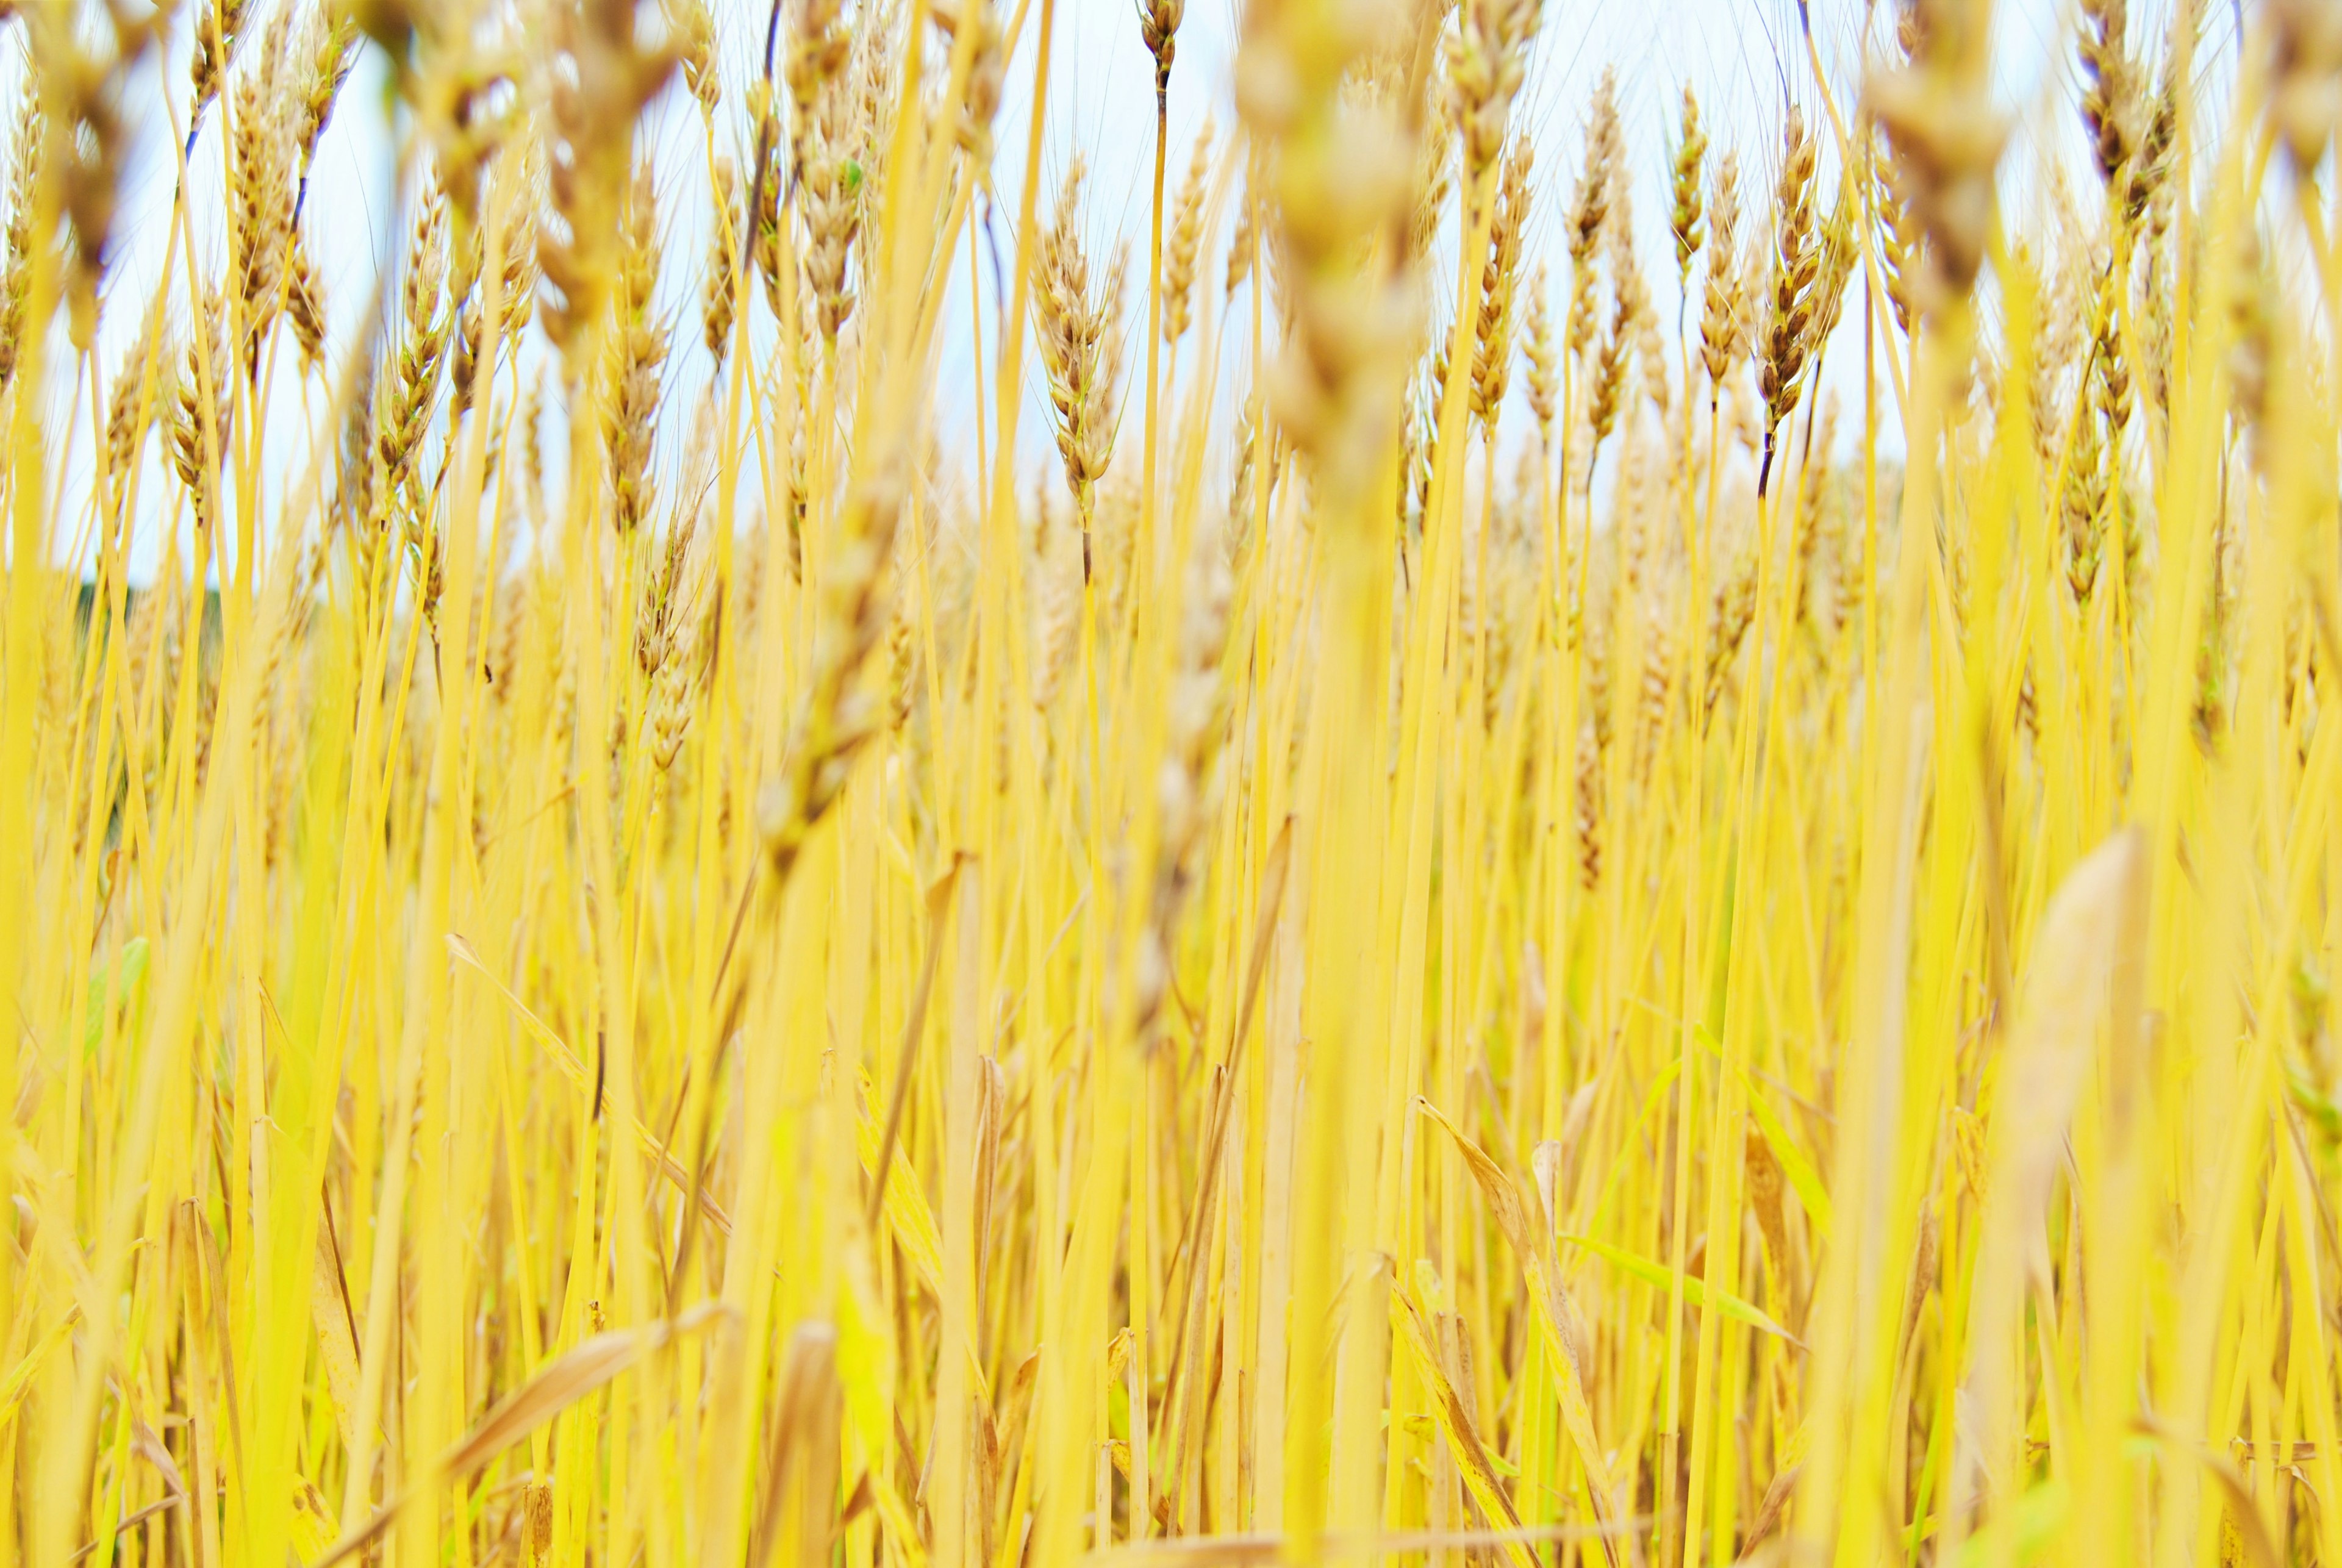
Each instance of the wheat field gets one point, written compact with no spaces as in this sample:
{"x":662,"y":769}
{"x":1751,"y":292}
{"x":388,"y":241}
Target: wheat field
{"x":1404,"y":877}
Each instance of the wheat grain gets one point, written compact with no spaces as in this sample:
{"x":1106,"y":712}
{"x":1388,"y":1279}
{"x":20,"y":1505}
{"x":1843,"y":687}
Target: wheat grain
{"x":1186,"y":236}
{"x":1737,"y":865}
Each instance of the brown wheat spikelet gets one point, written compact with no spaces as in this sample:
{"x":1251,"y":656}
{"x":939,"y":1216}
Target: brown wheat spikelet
{"x":1723,"y":315}
{"x":1938,"y":113}
{"x":1587,"y":819}
{"x":1787,"y":338}
{"x":766,"y":179}
{"x":24,"y":152}
{"x":1589,"y":209}
{"x":1732,"y":609}
{"x":590,"y":125}
{"x":986,"y":76}
{"x":672,"y":585}
{"x":404,"y":415}
{"x":674,"y":688}
{"x":465,"y":342}
{"x":1544,"y":358}
{"x":329,"y":42}
{"x":2083,"y":507}
{"x":1638,"y":320}
{"x":1197,"y":711}
{"x":1056,"y":606}
{"x":1077,"y":319}
{"x":519,"y":272}
{"x":830,"y":166}
{"x":131,"y":408}
{"x":1492,"y":348}
{"x":834,"y":715}
{"x":1435,"y":182}
{"x":692,"y":29}
{"x":1657,"y":681}
{"x":1486,"y":63}
{"x":1158,"y":29}
{"x":1186,"y":238}
{"x":1241,"y":245}
{"x":305,"y":302}
{"x":901,"y":668}
{"x":1898,"y":239}
{"x":218,"y":24}
{"x":2150,"y":169}
{"x":1241,"y":497}
{"x":1608,"y":381}
{"x":1419,"y":444}
{"x":720,"y":297}
{"x":516,"y":292}
{"x":2109,"y":370}
{"x":1839,"y":247}
{"x":2111,"y":102}
{"x":1813,"y":499}
{"x":1683,"y":218}
{"x":2253,"y":311}
{"x":200,"y":415}
{"x":637,"y":350}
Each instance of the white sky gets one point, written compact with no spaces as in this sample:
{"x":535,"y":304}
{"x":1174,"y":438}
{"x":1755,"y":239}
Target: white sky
{"x":1743,"y":58}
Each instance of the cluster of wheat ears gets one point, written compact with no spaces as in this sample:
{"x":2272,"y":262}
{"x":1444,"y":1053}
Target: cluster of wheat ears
{"x":1423,"y":917}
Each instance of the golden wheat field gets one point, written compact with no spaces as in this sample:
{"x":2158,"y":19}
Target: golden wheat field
{"x":809,"y":851}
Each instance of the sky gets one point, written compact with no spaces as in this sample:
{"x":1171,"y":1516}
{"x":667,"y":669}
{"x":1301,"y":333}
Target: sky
{"x":1743,"y":58}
